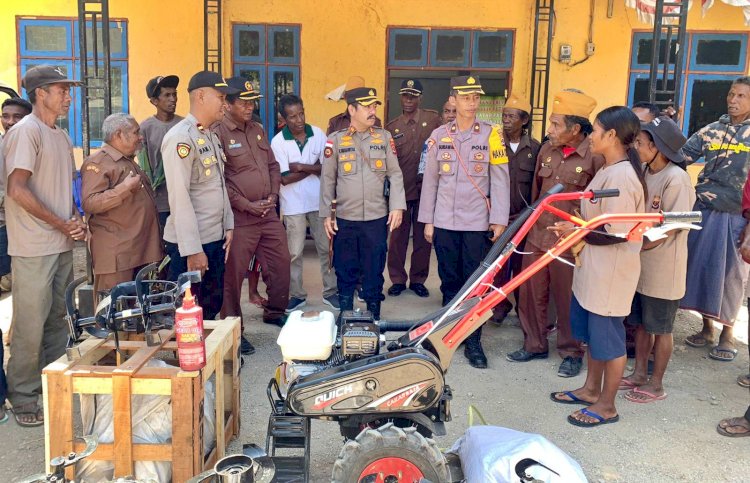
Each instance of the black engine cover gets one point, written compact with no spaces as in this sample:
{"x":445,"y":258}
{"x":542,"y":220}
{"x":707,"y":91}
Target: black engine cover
{"x":406,"y":380}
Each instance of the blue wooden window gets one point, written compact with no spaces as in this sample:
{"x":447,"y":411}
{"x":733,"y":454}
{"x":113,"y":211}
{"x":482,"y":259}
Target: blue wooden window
{"x":492,"y":49}
{"x":449,"y":48}
{"x":269,"y":57}
{"x":407,"y":47}
{"x":718,"y":53}
{"x":55,"y":42}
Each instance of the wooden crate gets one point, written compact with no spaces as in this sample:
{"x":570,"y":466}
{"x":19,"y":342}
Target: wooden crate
{"x":90,"y":374}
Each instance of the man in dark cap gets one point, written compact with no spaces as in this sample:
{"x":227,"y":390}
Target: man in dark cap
{"x":359,"y":159}
{"x":162,"y":93}
{"x":43,"y":224}
{"x":198,"y":232}
{"x":342,"y":121}
{"x":253,"y":180}
{"x":464,"y":203}
{"x":410,"y":130}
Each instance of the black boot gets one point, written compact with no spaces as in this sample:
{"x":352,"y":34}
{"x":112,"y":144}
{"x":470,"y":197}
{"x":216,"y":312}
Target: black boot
{"x":473,"y":350}
{"x":374,"y":308}
{"x":346,"y":302}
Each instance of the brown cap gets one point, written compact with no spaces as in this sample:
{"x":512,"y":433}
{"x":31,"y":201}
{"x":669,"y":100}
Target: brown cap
{"x":353,"y":82}
{"x":247,"y":91}
{"x":517,"y":102}
{"x":570,"y":103}
{"x":43,"y":75}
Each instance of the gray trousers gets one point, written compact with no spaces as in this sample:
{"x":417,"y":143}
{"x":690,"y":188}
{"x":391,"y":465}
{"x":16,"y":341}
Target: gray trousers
{"x":295,"y":235}
{"x":40,"y":331}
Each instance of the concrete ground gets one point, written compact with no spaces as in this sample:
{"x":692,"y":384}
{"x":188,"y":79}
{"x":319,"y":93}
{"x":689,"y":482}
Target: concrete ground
{"x":670,"y":440}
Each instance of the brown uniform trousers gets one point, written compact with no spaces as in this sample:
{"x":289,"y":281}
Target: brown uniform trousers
{"x":574,"y":171}
{"x":409,"y":136}
{"x":124,"y":224}
{"x":253,"y":174}
{"x":521,"y":166}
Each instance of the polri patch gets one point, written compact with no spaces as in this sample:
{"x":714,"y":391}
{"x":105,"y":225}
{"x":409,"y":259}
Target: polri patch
{"x":183,"y":150}
{"x":328,"y":151}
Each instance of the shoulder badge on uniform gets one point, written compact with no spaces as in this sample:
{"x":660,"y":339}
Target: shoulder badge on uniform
{"x":393,"y":147}
{"x":328,"y":151}
{"x":497,"y":148}
{"x":93,"y":168}
{"x":183,"y":150}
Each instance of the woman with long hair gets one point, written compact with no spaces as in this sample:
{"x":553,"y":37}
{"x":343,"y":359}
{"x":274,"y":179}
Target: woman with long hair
{"x":608,"y":268}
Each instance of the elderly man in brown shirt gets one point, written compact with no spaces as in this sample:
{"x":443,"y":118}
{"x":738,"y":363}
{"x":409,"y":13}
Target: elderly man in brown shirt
{"x":253,"y":181}
{"x":566,"y":158}
{"x":120,"y":205}
{"x":410,"y":130}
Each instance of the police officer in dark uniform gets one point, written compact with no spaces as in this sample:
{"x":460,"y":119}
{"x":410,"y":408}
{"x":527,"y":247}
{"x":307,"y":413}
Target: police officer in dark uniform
{"x":410,"y":130}
{"x":359,"y":159}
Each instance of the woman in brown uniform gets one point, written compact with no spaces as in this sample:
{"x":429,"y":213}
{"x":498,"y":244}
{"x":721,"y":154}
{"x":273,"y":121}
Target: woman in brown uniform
{"x":605,"y":280}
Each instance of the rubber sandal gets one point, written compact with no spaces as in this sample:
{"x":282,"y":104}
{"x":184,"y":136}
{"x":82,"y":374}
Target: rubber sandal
{"x":3,"y":414}
{"x":28,"y":409}
{"x":626,"y":385}
{"x":573,"y":398}
{"x":599,"y":419}
{"x":744,"y":381}
{"x":698,"y":340}
{"x":724,"y":432}
{"x":714,"y":354}
{"x":651,"y":396}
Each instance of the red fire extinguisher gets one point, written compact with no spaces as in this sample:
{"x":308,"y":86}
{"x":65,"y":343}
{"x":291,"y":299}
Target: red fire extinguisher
{"x":188,"y":324}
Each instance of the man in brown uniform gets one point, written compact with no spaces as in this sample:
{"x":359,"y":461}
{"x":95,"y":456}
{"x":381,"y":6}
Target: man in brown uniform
{"x":359,"y":159}
{"x":410,"y":130}
{"x":522,"y":151}
{"x":343,"y":120}
{"x":565,"y":159}
{"x":119,"y":202}
{"x":253,"y":180}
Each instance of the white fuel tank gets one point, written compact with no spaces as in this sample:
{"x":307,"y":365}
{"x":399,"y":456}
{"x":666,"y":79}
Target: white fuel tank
{"x":307,"y":336}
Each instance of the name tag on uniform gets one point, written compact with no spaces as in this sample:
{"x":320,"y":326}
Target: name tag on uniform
{"x":234,"y":146}
{"x":398,"y":136}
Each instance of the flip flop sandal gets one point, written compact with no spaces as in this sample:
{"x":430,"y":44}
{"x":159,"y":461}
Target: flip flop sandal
{"x":744,"y":381}
{"x":573,"y":398}
{"x":724,"y":432}
{"x":697,"y":340}
{"x":27,"y":409}
{"x":4,"y":418}
{"x":714,"y":354}
{"x":651,"y":397}
{"x":626,"y":385}
{"x":599,"y":419}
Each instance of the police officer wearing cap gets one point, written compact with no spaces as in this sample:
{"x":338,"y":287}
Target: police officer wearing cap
{"x":410,"y":130}
{"x":522,"y":151}
{"x":342,"y":120}
{"x":359,"y":160}
{"x":566,"y":158}
{"x":162,"y":93}
{"x":464,"y":203}
{"x":198,"y":232}
{"x":253,"y":180}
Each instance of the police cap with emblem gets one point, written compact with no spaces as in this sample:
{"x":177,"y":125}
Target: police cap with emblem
{"x":411,"y":86}
{"x":43,"y":75}
{"x":668,"y":138}
{"x":466,"y":84}
{"x":362,"y":95}
{"x":207,"y":78}
{"x":152,"y":88}
{"x":246,"y":90}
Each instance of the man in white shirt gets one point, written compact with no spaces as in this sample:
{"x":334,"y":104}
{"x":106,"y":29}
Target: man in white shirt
{"x":299,"y":150}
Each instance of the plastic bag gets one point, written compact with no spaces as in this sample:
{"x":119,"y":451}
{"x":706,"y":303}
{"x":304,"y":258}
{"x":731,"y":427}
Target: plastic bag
{"x":490,"y":453}
{"x":152,"y":423}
